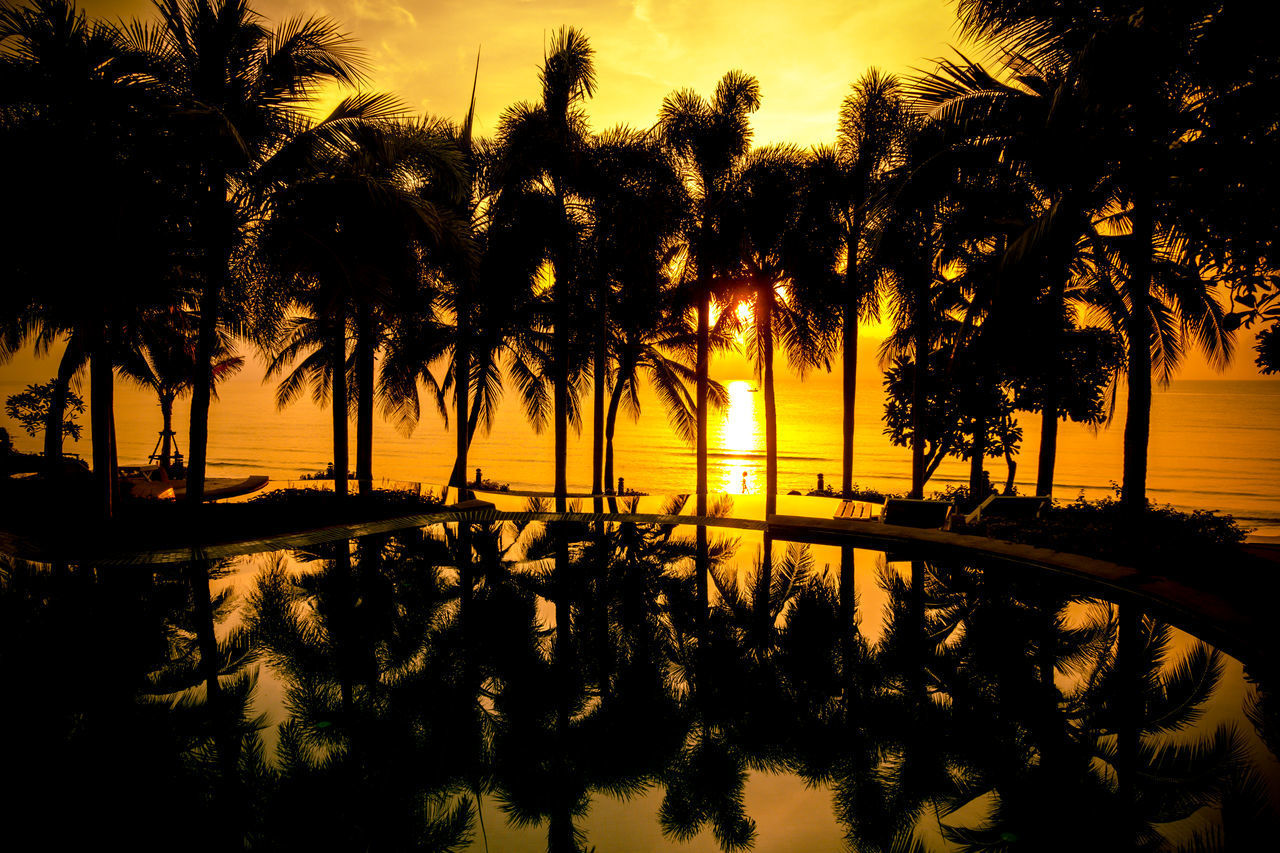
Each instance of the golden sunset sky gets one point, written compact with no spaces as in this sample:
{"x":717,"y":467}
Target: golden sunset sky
{"x":805,"y":55}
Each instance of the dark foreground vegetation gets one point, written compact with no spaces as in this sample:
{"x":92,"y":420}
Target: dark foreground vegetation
{"x":50,"y":525}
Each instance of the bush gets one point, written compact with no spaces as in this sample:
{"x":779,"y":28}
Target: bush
{"x":1105,"y":529}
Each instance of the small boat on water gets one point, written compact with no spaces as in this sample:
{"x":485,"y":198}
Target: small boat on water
{"x":151,"y":482}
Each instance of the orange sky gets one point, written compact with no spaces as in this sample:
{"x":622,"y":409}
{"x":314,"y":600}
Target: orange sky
{"x":805,"y":56}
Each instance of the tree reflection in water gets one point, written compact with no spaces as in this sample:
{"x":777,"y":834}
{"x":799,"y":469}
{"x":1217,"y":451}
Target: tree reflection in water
{"x":989,"y":714}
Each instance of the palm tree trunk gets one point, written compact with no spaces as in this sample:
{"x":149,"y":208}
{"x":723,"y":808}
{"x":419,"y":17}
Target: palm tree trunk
{"x":206,"y":341}
{"x":1048,"y":442}
{"x":338,"y":369}
{"x":918,"y":656}
{"x":611,"y":423}
{"x":1049,"y":416}
{"x":848,"y":637}
{"x":198,"y":580}
{"x":764,"y":328}
{"x":365,"y":347}
{"x":459,"y":473}
{"x":921,"y":353}
{"x":702,"y":367}
{"x":72,"y":357}
{"x":100,"y":407}
{"x":462,"y":397}
{"x":977,"y":483}
{"x":561,"y":389}
{"x":1137,"y":424}
{"x":850,"y":358}
{"x":565,"y":586}
{"x":599,"y":369}
{"x":770,"y":406}
{"x":166,"y":416}
{"x":1128,"y":710}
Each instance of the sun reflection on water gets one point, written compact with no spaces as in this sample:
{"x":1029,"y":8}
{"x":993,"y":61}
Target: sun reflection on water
{"x":739,"y":441}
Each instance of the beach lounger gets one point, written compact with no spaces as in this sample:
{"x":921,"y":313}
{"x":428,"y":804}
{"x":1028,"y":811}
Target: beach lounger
{"x":472,"y":510}
{"x":909,"y":512}
{"x":857,"y":510}
{"x":1009,"y":506}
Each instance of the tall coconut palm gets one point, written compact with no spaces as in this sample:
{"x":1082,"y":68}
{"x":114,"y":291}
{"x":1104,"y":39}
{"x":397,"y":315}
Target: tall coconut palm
{"x":544,"y":148}
{"x":350,"y":225}
{"x":239,"y":88}
{"x":637,"y":206}
{"x":70,"y":96}
{"x":540,"y":170}
{"x":710,"y":138}
{"x":784,"y":269}
{"x":847,"y":180}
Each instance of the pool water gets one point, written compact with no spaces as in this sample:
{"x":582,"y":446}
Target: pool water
{"x":825,"y":700}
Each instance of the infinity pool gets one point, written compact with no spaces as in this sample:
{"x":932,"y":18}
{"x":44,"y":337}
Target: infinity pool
{"x":853,"y":700}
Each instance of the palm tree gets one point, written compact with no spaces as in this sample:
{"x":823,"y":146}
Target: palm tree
{"x":162,"y":357}
{"x":846,"y":182}
{"x":784,"y":268}
{"x":638,"y":204}
{"x":651,"y":341}
{"x":239,"y":88}
{"x":1138,"y":63}
{"x":544,"y":147}
{"x":709,"y":138}
{"x":1040,"y":139}
{"x":70,"y":96}
{"x":916,"y":252}
{"x":349,"y":231}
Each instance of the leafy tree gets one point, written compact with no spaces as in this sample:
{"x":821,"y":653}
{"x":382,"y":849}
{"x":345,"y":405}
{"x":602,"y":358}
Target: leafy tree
{"x":30,"y":408}
{"x":962,"y":415}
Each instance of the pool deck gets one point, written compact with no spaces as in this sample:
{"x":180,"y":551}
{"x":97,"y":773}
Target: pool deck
{"x":1224,"y":610}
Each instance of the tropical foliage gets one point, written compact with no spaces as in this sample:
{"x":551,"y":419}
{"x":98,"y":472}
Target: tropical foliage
{"x":1022,"y":201}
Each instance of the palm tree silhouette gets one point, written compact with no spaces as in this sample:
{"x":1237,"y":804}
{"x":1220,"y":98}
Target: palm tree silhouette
{"x":162,"y":358}
{"x":638,"y":204}
{"x":71,"y":95}
{"x":238,"y":90}
{"x":1140,"y":66}
{"x":848,"y":180}
{"x":917,"y":251}
{"x":784,"y":271}
{"x":709,"y":138}
{"x":1044,"y":143}
{"x":350,"y":231}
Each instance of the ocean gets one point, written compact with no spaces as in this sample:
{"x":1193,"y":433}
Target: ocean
{"x":1215,"y":444}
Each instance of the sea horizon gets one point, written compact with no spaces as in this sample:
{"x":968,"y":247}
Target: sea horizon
{"x":1213,"y":442}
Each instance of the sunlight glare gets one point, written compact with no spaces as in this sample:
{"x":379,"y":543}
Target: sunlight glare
{"x":740,"y":440}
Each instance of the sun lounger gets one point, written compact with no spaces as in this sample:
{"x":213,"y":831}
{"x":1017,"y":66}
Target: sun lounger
{"x":472,"y":510}
{"x":1009,"y":506}
{"x":909,"y":512}
{"x":857,"y":510}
